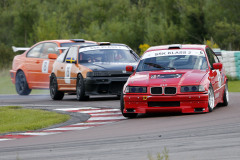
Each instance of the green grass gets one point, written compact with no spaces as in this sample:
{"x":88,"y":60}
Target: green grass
{"x":160,"y":156}
{"x":15,"y":119}
{"x":234,"y":86}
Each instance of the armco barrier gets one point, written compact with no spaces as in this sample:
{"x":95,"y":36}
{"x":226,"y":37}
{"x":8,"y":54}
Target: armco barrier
{"x":231,"y":63}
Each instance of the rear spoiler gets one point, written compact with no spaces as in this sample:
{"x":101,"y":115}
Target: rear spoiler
{"x":15,"y":49}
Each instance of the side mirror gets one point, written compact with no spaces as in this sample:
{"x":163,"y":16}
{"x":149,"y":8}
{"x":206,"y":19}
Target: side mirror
{"x":70,"y":60}
{"x":129,"y":68}
{"x":217,"y":66}
{"x":52,"y":56}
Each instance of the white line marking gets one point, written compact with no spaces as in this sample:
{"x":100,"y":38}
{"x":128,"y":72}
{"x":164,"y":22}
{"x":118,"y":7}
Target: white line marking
{"x":105,"y":114}
{"x":74,"y":109}
{"x":106,"y":118}
{"x":5,"y":139}
{"x":99,"y":111}
{"x":91,"y":123}
{"x":68,"y":128}
{"x":38,"y":133}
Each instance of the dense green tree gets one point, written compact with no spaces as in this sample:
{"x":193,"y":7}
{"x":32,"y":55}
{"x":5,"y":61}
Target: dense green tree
{"x":133,"y":22}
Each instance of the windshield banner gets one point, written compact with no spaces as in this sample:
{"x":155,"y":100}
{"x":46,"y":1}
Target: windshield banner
{"x":102,"y":47}
{"x":172,"y":53}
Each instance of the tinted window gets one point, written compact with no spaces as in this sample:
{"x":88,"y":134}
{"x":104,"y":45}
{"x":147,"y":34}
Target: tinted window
{"x":171,"y":60}
{"x":72,"y":53}
{"x":211,"y":56}
{"x":49,"y":48}
{"x":35,"y":51}
{"x":107,"y":55}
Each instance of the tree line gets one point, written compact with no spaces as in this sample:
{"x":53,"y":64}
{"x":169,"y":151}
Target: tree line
{"x":133,"y":22}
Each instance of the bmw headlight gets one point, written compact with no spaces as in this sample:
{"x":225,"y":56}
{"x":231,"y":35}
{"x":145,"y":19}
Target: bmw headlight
{"x":199,"y":88}
{"x":134,"y":89}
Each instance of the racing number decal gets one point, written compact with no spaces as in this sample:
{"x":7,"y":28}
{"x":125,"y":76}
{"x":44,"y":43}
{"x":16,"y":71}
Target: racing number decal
{"x":45,"y":65}
{"x":68,"y":73}
{"x":219,"y":78}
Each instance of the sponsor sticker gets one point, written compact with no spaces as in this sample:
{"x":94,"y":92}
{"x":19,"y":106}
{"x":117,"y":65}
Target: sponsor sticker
{"x":102,"y":47}
{"x":45,"y":65}
{"x":219,"y":78}
{"x":68,"y":73}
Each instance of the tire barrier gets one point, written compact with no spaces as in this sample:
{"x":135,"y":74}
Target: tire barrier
{"x":231,"y":63}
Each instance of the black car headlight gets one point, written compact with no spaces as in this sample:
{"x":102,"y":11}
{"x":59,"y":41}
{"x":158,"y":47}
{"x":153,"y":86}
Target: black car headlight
{"x":135,"y":89}
{"x":196,"y":88}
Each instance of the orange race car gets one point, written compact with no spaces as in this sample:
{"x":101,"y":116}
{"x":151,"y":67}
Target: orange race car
{"x":91,"y":70}
{"x":31,"y":69}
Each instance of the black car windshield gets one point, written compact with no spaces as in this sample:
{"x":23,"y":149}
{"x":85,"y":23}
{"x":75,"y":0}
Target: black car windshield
{"x":109,"y":54}
{"x":173,"y":60}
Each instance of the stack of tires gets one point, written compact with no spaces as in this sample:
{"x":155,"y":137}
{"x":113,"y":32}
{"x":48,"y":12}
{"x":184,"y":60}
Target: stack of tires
{"x":231,"y":63}
{"x":237,"y":62}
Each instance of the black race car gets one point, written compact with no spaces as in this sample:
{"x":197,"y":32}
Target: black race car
{"x":96,"y":69}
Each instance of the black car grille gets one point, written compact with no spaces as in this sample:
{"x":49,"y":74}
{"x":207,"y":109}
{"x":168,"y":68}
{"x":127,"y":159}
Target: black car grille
{"x":167,"y":90}
{"x":170,"y":90}
{"x":156,"y":90}
{"x":164,"y":104}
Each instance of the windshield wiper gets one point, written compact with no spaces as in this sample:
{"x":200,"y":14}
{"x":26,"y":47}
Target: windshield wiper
{"x":158,"y":66}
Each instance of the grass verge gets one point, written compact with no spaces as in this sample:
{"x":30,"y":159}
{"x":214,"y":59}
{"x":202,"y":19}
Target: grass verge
{"x":234,"y":86}
{"x":16,"y":119}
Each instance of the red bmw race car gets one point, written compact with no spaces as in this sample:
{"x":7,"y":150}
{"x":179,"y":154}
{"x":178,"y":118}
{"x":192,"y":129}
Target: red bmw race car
{"x":175,"y":78}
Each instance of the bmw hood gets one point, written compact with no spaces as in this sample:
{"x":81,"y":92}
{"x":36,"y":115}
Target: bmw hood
{"x":167,"y":77}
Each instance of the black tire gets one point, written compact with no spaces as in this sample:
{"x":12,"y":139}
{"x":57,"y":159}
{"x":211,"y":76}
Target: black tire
{"x":128,"y":115}
{"x":211,"y":99}
{"x":225,"y":96}
{"x":21,"y":84}
{"x":54,"y":93}
{"x":80,"y":89}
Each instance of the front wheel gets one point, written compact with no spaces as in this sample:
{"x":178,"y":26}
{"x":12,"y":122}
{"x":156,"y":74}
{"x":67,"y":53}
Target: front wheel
{"x":225,"y":96}
{"x":211,"y":101}
{"x":21,"y":84}
{"x":128,"y":115}
{"x":80,"y":89}
{"x":54,"y":93}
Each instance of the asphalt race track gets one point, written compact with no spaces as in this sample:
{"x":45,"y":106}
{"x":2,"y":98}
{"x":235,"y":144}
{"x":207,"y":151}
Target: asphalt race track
{"x":210,"y":136}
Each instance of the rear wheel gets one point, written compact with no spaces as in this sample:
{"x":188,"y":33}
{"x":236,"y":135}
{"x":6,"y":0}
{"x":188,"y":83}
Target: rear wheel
{"x":225,"y":96}
{"x":54,"y":93}
{"x":128,"y":115}
{"x":80,"y":89}
{"x":211,"y":102}
{"x":21,"y":84}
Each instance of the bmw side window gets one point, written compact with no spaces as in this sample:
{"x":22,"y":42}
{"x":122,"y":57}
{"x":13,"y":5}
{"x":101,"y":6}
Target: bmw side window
{"x":210,"y":57}
{"x":72,"y":53}
{"x":215,"y":57}
{"x":49,"y":48}
{"x":35,"y":51}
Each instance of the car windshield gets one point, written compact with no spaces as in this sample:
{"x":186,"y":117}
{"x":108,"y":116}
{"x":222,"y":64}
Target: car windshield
{"x":109,"y":54}
{"x":173,"y":60}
